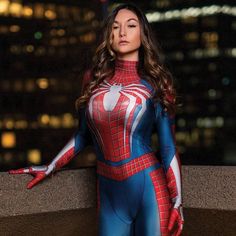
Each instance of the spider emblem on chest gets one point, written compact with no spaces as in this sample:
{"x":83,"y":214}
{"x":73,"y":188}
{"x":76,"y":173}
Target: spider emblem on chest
{"x":113,"y":92}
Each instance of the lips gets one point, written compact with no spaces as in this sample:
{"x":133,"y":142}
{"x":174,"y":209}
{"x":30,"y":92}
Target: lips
{"x":123,"y":42}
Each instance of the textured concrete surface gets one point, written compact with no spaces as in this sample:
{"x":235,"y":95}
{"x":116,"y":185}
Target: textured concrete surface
{"x":207,"y":222}
{"x":62,"y":223}
{"x":65,"y":203}
{"x":66,"y":190}
{"x":209,"y":187}
{"x":202,"y":222}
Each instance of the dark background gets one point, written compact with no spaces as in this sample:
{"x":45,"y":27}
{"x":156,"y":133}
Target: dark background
{"x":45,"y":46}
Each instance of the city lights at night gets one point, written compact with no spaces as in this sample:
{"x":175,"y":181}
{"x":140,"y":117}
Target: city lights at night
{"x":45,"y":46}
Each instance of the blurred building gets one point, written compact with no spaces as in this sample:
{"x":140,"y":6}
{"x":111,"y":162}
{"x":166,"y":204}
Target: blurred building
{"x":43,"y":49}
{"x":44,"y":46}
{"x":198,"y":39}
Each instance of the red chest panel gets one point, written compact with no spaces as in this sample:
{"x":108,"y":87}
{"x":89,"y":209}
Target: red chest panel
{"x":113,"y":118}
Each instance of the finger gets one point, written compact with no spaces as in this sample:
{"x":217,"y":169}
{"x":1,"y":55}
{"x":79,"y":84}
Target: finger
{"x":19,"y":171}
{"x":34,"y":181}
{"x":180,"y":228}
{"x":172,"y":219}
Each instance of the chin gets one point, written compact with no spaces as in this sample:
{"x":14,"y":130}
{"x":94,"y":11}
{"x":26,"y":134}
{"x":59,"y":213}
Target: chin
{"x":125,"y":51}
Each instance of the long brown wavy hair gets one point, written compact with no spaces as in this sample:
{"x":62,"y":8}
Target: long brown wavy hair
{"x":150,"y":67}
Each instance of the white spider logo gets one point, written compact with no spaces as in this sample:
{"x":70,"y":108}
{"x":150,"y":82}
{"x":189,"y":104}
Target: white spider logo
{"x":112,"y":95}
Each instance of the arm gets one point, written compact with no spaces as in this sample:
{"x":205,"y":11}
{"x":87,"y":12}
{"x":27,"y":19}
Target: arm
{"x":71,"y":149}
{"x":171,"y":165}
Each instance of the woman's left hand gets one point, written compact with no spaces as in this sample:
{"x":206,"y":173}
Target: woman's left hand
{"x":176,"y":221}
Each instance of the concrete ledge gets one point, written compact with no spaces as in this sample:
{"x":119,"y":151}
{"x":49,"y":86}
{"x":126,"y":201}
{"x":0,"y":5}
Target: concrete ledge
{"x":209,"y":187}
{"x":62,"y":223}
{"x":65,"y":203}
{"x":66,"y":190}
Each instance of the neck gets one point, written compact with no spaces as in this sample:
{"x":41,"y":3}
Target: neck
{"x":126,"y":66}
{"x":126,"y":71}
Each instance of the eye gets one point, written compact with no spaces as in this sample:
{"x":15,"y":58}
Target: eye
{"x":131,"y":26}
{"x":115,"y":27}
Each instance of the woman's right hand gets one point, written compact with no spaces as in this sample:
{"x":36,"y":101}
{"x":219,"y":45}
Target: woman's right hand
{"x":39,"y":173}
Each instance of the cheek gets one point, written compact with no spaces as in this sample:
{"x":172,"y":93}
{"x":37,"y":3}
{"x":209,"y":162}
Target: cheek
{"x":114,"y":39}
{"x":137,"y":38}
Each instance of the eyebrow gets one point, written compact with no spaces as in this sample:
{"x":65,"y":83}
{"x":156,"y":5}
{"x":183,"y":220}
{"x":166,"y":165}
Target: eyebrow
{"x":127,"y":20}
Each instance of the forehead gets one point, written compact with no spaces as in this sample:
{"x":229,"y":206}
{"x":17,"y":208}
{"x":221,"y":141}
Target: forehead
{"x":124,"y":15}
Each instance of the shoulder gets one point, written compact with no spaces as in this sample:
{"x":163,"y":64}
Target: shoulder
{"x":148,"y":86}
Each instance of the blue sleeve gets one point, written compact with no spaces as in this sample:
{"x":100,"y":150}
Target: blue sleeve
{"x":82,"y":134}
{"x":164,"y":125}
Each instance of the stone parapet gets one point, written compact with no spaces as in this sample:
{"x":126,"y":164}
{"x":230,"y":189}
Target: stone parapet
{"x":65,"y":204}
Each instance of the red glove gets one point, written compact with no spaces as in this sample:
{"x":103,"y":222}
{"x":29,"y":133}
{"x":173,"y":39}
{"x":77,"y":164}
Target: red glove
{"x":40,"y":173}
{"x":176,"y":221}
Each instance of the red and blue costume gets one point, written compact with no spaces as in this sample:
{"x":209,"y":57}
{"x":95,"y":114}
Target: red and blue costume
{"x":137,"y":194}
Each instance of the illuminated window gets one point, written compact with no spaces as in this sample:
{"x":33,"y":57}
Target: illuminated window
{"x":8,"y":139}
{"x":27,"y":11}
{"x":21,"y":124}
{"x":30,"y":85}
{"x":14,"y":28}
{"x":212,"y":93}
{"x":50,"y":12}
{"x":15,"y":8}
{"x":34,"y":156}
{"x":9,"y":123}
{"x":191,"y":36}
{"x":219,"y":121}
{"x":210,"y":39}
{"x":162,"y":3}
{"x":4,"y":6}
{"x":43,"y":83}
{"x":67,"y":120}
{"x":38,"y":10}
{"x":88,"y":38}
{"x":181,"y":122}
{"x":29,"y":48}
{"x":15,"y":49}
{"x":55,"y":122}
{"x":38,"y":35}
{"x":89,"y":15}
{"x":61,"y":32}
{"x":44,"y":119}
{"x":189,"y":20}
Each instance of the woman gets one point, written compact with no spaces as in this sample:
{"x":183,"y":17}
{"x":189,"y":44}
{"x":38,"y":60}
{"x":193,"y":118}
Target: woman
{"x":126,"y":93}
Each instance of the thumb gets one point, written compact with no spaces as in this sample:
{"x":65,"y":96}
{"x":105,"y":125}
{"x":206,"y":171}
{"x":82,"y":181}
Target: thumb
{"x":37,"y":179}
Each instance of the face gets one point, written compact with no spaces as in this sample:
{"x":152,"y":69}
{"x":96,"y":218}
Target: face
{"x":125,"y":38}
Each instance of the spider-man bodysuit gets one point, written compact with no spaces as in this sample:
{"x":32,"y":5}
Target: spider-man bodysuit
{"x":135,"y":191}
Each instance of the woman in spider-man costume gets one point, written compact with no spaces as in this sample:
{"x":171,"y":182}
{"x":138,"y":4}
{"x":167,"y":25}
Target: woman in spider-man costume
{"x":126,"y":93}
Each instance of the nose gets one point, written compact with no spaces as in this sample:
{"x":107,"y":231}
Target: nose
{"x":122,"y":31}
